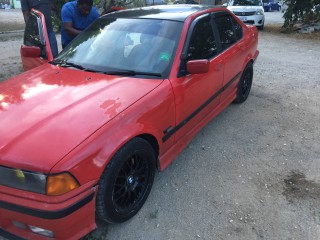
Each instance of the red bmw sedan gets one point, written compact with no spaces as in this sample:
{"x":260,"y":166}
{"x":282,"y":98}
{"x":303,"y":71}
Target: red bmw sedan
{"x":83,"y":134}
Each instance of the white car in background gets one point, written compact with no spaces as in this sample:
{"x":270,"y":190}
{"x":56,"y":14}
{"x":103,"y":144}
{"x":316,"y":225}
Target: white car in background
{"x":249,"y":11}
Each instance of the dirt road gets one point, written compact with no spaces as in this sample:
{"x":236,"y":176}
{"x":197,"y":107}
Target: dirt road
{"x":253,"y":172}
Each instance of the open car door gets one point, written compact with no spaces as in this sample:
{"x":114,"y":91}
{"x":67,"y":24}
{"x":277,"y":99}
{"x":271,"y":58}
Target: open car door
{"x":36,"y":47}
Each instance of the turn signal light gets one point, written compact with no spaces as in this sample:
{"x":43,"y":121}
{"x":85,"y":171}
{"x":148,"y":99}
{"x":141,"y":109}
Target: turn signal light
{"x":60,"y":184}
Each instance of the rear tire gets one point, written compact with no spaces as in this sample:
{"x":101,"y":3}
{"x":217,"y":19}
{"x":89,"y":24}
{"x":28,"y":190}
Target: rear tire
{"x":245,"y":83}
{"x":126,"y":182}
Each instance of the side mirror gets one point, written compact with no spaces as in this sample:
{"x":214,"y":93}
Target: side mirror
{"x":198,"y":66}
{"x":30,"y":51}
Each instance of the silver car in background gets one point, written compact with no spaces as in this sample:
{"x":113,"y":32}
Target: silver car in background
{"x":249,"y":11}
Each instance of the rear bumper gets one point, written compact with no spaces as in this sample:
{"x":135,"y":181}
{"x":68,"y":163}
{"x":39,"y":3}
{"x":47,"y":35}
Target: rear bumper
{"x":70,"y":218}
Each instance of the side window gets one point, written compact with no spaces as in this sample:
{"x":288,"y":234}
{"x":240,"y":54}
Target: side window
{"x":202,"y":43}
{"x":225,"y":28}
{"x":237,"y":28}
{"x":32,"y":36}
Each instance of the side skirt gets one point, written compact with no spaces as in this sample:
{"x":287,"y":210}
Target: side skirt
{"x":177,"y":148}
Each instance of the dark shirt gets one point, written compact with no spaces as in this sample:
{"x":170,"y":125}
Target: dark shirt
{"x":41,"y":5}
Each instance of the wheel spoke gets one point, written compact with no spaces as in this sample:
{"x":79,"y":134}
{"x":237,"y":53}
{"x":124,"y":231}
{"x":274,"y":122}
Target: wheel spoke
{"x":121,"y":196}
{"x":134,"y":194}
{"x":141,"y":185}
{"x":140,"y":168}
{"x":119,"y":190}
{"x":122,"y":173}
{"x":128,"y":199}
{"x":246,"y":83}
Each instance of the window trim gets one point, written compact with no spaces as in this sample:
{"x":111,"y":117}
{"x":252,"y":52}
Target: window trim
{"x":36,"y":39}
{"x":183,"y":57}
{"x":222,"y":14}
{"x":189,"y":35}
{"x":40,"y":28}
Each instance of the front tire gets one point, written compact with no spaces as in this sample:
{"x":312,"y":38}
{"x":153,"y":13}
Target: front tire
{"x":126,"y":182}
{"x":245,"y":84}
{"x":261,"y":27}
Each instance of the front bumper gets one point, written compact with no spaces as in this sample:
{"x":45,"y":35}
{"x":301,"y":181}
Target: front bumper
{"x":69,"y":216}
{"x":256,"y":20}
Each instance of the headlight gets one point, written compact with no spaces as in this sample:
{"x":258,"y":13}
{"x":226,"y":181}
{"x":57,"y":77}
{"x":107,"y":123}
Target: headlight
{"x":259,"y":12}
{"x":37,"y":182}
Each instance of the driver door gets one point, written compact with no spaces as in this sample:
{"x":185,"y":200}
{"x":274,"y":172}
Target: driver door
{"x":35,"y":50}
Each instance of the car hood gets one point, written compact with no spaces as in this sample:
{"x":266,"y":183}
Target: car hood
{"x":244,"y":8}
{"x":48,"y":111}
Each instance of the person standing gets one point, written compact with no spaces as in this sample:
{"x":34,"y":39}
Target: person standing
{"x":44,"y":6}
{"x":76,"y":16}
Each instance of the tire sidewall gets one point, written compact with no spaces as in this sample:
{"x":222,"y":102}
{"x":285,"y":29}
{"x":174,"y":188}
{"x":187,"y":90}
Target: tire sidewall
{"x":106,"y":209}
{"x":240,"y":96}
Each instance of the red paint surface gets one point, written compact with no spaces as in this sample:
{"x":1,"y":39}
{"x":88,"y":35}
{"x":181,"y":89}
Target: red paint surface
{"x":55,"y":119}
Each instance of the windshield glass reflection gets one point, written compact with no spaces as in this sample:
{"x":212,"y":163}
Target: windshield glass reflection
{"x":125,"y":46}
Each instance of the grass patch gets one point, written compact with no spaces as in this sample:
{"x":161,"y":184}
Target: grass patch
{"x":277,"y":29}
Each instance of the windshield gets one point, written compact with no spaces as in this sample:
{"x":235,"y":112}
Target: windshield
{"x":124,"y":46}
{"x":245,"y":3}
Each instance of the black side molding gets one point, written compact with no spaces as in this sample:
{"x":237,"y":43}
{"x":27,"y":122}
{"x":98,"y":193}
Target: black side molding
{"x":10,"y":236}
{"x":170,"y":131}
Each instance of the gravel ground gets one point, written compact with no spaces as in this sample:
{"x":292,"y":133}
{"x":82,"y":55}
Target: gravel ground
{"x":252,"y":172}
{"x":11,"y":20}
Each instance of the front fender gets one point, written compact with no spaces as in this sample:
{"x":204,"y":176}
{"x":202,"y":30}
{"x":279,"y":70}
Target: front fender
{"x":152,"y":115}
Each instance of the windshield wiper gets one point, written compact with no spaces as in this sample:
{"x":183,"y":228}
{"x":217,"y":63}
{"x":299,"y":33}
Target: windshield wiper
{"x":63,"y":63}
{"x":132,"y":73}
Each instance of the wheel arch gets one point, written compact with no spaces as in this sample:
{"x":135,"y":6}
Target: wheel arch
{"x":135,"y":162}
{"x":95,"y":155}
{"x":248,"y":60}
{"x":147,"y":136}
{"x":153,"y":142}
{"x":251,"y":57}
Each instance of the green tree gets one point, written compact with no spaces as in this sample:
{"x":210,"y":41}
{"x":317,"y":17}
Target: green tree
{"x":305,"y":11}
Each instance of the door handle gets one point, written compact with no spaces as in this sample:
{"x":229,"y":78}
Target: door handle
{"x":218,"y":67}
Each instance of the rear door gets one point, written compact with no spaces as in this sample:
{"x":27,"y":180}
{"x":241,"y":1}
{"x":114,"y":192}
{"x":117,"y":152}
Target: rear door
{"x":36,"y":48}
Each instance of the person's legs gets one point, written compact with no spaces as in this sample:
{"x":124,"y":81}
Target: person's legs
{"x":53,"y":43}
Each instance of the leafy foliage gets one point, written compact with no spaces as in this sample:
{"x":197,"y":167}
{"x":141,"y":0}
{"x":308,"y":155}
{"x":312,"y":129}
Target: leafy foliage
{"x":305,"y":11}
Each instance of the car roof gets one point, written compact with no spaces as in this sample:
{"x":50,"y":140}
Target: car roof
{"x":167,"y":12}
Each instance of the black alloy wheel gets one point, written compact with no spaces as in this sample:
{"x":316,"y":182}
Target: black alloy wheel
{"x":245,"y":84}
{"x":126,"y":182}
{"x":131,"y":182}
